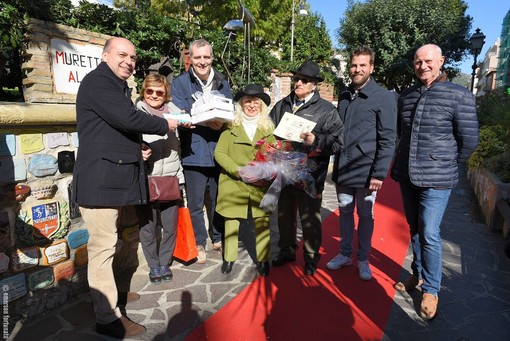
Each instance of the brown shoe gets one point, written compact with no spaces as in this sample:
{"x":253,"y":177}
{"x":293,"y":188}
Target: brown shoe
{"x":409,"y":284}
{"x":127,"y":297}
{"x":428,"y":309}
{"x":120,"y":328}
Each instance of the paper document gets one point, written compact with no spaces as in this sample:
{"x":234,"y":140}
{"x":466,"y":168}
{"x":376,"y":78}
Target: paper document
{"x":291,"y":127}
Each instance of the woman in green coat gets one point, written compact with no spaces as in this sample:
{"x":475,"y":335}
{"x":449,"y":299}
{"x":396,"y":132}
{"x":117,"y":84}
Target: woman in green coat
{"x":236,"y":147}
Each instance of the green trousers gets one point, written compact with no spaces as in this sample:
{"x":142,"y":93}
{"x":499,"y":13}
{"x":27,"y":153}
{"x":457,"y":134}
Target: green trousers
{"x":231,"y":245}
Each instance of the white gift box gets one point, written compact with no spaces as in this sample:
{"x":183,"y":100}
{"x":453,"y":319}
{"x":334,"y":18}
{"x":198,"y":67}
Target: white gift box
{"x":215,"y":107}
{"x":223,"y":115}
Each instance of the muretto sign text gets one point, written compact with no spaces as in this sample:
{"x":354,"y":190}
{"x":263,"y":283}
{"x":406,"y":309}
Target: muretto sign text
{"x":71,"y":62}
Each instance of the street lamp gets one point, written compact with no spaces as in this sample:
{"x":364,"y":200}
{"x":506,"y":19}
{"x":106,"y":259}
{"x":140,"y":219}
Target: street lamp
{"x":302,"y":12}
{"x":234,"y":25}
{"x":477,"y":40}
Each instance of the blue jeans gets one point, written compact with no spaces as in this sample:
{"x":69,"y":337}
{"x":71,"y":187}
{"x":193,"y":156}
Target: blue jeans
{"x":198,"y":181}
{"x":364,"y":198}
{"x":424,"y":209}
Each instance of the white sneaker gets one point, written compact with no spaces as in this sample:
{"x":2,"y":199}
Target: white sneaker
{"x":364,"y":270}
{"x":202,"y":258}
{"x":339,"y":261}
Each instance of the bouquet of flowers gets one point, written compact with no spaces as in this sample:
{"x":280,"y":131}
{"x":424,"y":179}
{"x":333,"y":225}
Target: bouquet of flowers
{"x":266,"y":150}
{"x":277,"y":162}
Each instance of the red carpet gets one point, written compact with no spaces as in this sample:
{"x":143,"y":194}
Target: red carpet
{"x":332,"y":305}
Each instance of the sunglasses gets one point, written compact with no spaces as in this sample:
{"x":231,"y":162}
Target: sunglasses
{"x":159,"y":93}
{"x":303,"y":80}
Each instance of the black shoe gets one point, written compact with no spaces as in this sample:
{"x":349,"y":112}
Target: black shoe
{"x":282,"y":259}
{"x":120,"y":328}
{"x":263,"y":268}
{"x":226,"y":267}
{"x":310,"y":269}
{"x":124,"y":297}
{"x":166,"y":273}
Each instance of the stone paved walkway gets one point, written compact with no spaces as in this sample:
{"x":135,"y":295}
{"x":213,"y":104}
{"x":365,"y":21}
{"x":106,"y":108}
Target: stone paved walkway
{"x":474,"y":301}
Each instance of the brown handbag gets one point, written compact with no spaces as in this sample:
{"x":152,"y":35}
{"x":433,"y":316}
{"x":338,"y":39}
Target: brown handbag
{"x":164,"y":188}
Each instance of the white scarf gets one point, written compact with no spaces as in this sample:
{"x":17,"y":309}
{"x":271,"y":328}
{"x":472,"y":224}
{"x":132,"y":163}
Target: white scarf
{"x":207,"y":87}
{"x":250,"y":124}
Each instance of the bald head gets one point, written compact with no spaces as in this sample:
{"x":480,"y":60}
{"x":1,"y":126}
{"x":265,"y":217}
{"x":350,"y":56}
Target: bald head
{"x":120,"y":56}
{"x":428,"y":61}
{"x":430,"y":47}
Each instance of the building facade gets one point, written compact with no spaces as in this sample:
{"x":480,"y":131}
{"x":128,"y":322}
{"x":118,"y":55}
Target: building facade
{"x":486,"y":73}
{"x":503,"y":71}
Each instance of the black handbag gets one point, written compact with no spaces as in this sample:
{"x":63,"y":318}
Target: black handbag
{"x":164,"y":188}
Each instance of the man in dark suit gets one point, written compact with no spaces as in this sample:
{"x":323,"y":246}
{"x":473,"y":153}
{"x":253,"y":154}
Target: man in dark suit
{"x":369,"y":113}
{"x":109,"y":172}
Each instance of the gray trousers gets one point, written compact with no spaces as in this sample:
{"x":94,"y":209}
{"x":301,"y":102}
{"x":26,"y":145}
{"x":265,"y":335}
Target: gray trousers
{"x":156,"y":219}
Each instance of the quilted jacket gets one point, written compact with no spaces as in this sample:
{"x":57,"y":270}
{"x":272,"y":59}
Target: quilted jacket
{"x":438,"y":130}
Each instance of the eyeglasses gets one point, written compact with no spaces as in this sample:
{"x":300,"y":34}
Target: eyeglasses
{"x":254,"y":102}
{"x":303,"y":80}
{"x":159,"y":93}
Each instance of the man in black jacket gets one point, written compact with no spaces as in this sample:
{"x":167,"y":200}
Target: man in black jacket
{"x":369,"y":114}
{"x":109,"y":172}
{"x":438,"y":130}
{"x":324,"y":140}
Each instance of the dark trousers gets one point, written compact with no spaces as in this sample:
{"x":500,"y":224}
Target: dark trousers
{"x":198,"y":181}
{"x":293,"y":201}
{"x":155,"y":219}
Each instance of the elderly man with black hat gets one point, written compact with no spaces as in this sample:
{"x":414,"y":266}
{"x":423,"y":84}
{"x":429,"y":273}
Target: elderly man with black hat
{"x":324,"y":140}
{"x":236,"y":148}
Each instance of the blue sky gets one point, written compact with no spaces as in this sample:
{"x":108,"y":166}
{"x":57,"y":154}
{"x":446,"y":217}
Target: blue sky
{"x":487,"y":15}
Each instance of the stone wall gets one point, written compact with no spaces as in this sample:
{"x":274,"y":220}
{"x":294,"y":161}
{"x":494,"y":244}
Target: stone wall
{"x":43,"y":252}
{"x":43,"y":241}
{"x":489,"y":190}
